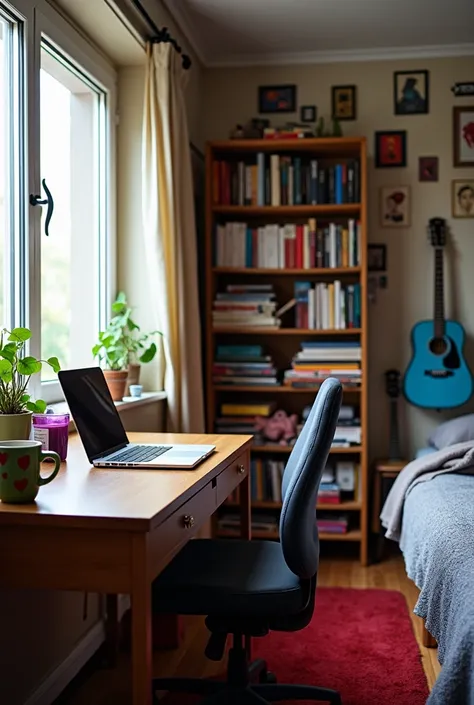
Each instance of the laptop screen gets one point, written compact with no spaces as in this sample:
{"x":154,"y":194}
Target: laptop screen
{"x":93,"y":411}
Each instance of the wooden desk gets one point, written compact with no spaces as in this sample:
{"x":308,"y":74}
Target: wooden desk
{"x":113,"y":531}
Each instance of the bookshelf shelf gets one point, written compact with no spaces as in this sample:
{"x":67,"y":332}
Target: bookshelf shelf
{"x":337,"y":209}
{"x":262,"y":272}
{"x":353,"y":535}
{"x":305,"y":332}
{"x":306,"y":236}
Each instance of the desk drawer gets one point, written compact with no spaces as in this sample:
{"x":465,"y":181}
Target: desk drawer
{"x":231,"y":477}
{"x":181,"y":526}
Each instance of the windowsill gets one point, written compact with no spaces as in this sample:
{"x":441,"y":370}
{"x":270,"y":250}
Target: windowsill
{"x":146,"y":398}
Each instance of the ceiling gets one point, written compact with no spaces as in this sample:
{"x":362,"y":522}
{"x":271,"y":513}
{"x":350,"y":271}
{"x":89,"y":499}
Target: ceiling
{"x":253,"y":32}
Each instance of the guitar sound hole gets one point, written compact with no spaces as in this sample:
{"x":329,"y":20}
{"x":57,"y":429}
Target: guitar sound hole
{"x":438,"y":346}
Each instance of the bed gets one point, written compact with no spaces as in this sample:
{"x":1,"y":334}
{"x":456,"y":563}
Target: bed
{"x":436,"y":536}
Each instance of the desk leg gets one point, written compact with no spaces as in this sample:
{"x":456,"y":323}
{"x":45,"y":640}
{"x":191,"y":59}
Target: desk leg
{"x":246,"y":527}
{"x":141,"y":624}
{"x":111,"y":631}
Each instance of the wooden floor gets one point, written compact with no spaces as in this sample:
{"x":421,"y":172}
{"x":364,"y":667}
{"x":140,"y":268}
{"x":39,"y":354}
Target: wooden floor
{"x":104,"y":687}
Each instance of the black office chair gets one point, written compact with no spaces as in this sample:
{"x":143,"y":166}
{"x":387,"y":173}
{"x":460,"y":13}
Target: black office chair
{"x":247,"y":588}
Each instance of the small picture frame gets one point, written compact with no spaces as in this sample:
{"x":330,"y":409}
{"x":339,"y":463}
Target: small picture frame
{"x":463,"y":136}
{"x":308,"y":113}
{"x":277,"y":99}
{"x":344,"y":102}
{"x":395,"y":206}
{"x":390,"y":148}
{"x":376,"y":258}
{"x":428,"y":169}
{"x":462,"y":198}
{"x":411,"y":92}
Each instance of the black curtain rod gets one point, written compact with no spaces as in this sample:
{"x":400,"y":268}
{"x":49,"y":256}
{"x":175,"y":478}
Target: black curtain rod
{"x":161,"y":35}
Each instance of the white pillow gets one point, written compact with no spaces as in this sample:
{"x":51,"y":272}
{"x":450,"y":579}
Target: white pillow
{"x":458,"y":430}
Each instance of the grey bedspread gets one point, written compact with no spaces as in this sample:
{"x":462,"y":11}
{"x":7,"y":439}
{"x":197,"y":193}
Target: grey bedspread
{"x":437,"y":540}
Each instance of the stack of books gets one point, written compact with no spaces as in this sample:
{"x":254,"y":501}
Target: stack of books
{"x":276,"y":180}
{"x":244,"y":365}
{"x":316,"y":361}
{"x":230,"y":521}
{"x":240,"y":418}
{"x":265,"y":479}
{"x":290,"y":246}
{"x":245,"y":306}
{"x":330,"y":306}
{"x":329,"y":493}
{"x":330,"y":524}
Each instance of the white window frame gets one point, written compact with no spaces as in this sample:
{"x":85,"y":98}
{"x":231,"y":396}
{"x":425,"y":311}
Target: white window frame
{"x":41,"y":19}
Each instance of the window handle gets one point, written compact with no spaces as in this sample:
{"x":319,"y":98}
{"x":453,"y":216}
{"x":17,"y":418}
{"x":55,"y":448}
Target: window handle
{"x":38,"y":201}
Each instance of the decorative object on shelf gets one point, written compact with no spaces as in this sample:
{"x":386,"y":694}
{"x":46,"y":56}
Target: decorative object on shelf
{"x":308,"y":113}
{"x":391,"y":148}
{"x":392,"y":389}
{"x":52,"y":431}
{"x":16,"y":405}
{"x":336,"y":129}
{"x":411,"y":92}
{"x":321,"y":128}
{"x":463,"y":136}
{"x":237,"y":133}
{"x":395,"y":206}
{"x":463,"y":89}
{"x":20,"y":466}
{"x":135,"y":390}
{"x":344,"y":102}
{"x":277,"y":99}
{"x":428,"y":169}
{"x":463,"y":198}
{"x":438,"y":376}
{"x":279,"y":428}
{"x":376,"y":258}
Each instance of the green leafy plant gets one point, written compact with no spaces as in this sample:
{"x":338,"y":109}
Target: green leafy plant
{"x":122,"y":342}
{"x":15,"y":373}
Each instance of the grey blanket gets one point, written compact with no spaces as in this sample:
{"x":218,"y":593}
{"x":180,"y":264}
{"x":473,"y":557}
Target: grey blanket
{"x":458,"y":458}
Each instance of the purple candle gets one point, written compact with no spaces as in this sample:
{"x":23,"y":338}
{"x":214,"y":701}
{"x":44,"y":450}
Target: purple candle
{"x":53,"y":431}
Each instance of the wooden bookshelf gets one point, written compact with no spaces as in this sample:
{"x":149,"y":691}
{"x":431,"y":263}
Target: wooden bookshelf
{"x":287,"y":339}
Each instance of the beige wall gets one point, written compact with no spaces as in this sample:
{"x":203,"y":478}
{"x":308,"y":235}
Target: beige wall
{"x":230,"y":97}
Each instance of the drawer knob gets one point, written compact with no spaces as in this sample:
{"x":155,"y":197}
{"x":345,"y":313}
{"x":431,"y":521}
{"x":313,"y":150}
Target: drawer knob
{"x":241,"y":469}
{"x":188,"y":521}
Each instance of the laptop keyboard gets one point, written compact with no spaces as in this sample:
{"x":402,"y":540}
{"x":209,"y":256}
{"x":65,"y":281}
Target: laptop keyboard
{"x":138,"y":454}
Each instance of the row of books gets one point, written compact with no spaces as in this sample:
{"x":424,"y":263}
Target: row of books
{"x":266,"y":522}
{"x":327,"y":306}
{"x":245,"y":306}
{"x":242,"y":365}
{"x":290,"y":246}
{"x":318,"y":360}
{"x":278,"y":180}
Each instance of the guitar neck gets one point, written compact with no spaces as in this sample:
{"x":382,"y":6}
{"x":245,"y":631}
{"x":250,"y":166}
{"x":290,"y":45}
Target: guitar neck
{"x":394,"y":448}
{"x":439,"y":293}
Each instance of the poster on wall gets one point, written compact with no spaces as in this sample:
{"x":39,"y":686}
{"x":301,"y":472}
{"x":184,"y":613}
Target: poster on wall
{"x":463,"y":136}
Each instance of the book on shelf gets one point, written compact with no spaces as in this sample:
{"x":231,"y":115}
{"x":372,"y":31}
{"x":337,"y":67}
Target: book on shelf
{"x":230,"y":521}
{"x":248,"y":409}
{"x":289,"y":246}
{"x":243,"y":365}
{"x":282,"y":180}
{"x":327,"y":306}
{"x":246,"y":307}
{"x":329,"y":524}
{"x":315,"y":362}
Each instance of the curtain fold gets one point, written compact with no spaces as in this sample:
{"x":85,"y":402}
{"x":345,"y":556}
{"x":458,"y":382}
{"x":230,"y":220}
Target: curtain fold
{"x":170,"y":235}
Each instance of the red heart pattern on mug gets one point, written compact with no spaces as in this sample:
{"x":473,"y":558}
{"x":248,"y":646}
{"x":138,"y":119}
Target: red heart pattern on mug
{"x":3,"y":458}
{"x":24,"y":462}
{"x":21,"y":485}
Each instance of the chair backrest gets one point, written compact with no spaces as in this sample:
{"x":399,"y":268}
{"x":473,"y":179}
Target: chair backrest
{"x":300,"y":485}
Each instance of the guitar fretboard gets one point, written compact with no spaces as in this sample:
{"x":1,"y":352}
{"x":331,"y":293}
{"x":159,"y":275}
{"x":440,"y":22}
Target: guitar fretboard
{"x":439,"y":293}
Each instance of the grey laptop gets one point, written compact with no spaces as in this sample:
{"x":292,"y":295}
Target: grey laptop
{"x":103,"y":435}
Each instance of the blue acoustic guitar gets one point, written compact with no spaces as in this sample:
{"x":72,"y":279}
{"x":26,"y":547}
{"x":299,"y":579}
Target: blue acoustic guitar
{"x":438,"y":376}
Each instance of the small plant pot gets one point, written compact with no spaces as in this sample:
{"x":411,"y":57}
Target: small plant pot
{"x":116,"y":382}
{"x":133,"y":376}
{"x":15,"y":427}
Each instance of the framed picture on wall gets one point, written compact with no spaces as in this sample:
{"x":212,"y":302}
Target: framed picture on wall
{"x":428,"y":169}
{"x":411,"y":92}
{"x":277,"y":99}
{"x":463,"y":135}
{"x":344,"y":102}
{"x":391,"y":148}
{"x":395,"y":206}
{"x":463,"y":198}
{"x":376,"y":258}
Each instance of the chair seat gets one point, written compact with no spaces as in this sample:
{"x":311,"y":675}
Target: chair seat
{"x":212,"y":577}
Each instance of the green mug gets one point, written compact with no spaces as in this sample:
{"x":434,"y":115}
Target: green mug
{"x":20,"y":465}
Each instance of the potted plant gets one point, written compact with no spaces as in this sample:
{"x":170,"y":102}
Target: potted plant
{"x":121,"y":346}
{"x":16,"y":406}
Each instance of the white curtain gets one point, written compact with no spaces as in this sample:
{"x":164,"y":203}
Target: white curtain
{"x":170,"y":235}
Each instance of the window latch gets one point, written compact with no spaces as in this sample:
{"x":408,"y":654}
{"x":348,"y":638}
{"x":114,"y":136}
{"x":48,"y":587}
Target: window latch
{"x":38,"y":201}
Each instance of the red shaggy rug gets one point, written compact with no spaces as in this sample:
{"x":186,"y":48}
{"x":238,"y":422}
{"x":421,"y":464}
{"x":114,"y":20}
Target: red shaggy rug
{"x":360,"y":643}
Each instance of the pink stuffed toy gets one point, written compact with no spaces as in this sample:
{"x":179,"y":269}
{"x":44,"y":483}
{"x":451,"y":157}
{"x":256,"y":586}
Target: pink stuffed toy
{"x":279,"y":428}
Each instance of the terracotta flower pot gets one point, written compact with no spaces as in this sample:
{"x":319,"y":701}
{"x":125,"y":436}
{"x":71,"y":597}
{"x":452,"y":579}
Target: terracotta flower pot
{"x":116,"y":382}
{"x":133,"y":375}
{"x":15,"y":427}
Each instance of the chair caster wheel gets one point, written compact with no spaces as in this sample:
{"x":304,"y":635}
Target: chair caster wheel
{"x":267,"y":677}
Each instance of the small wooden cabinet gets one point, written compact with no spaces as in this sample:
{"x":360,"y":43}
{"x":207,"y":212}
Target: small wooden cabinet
{"x":384,"y":475}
